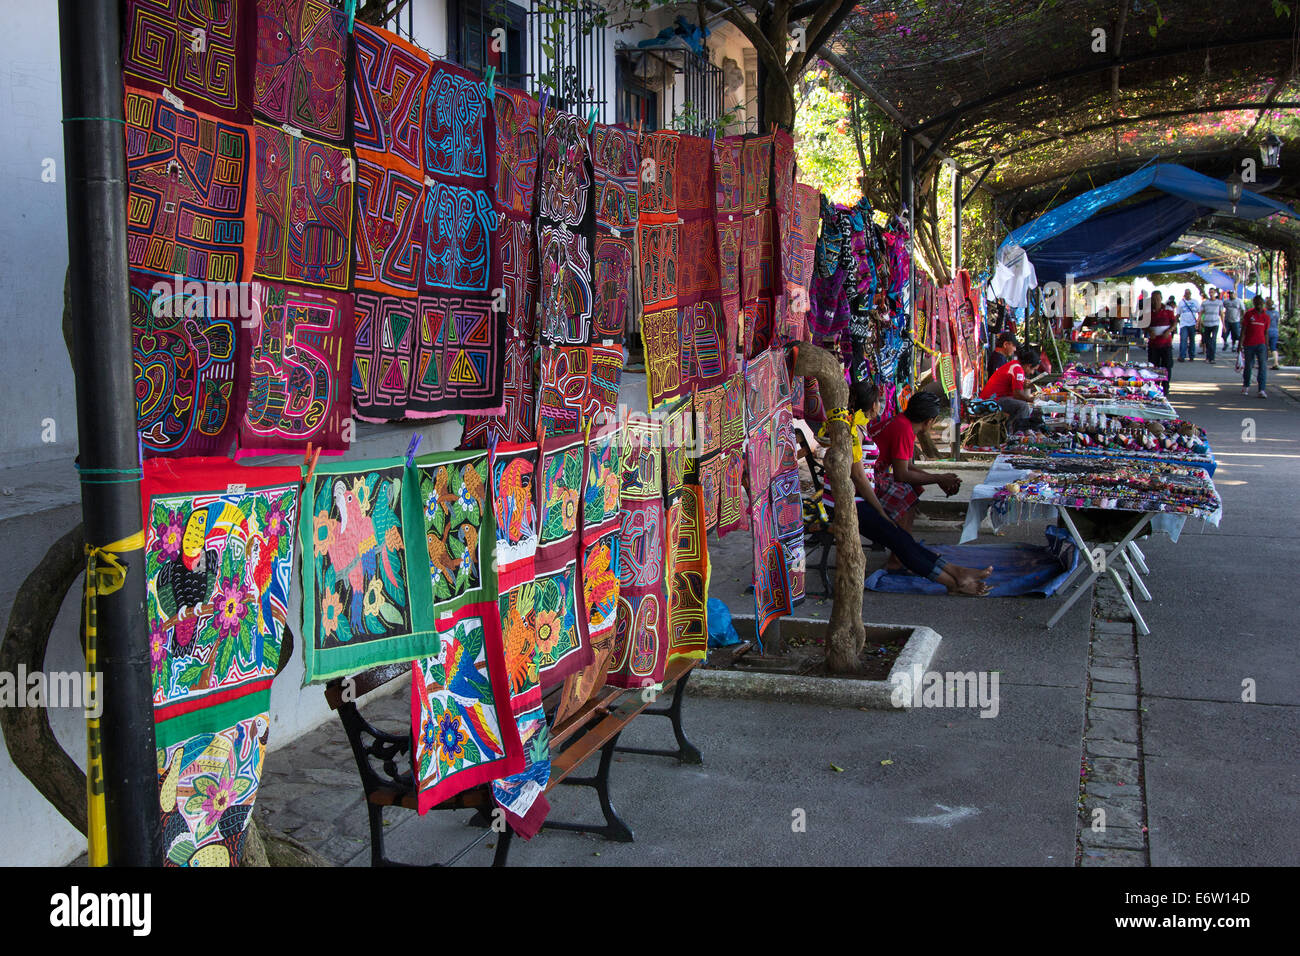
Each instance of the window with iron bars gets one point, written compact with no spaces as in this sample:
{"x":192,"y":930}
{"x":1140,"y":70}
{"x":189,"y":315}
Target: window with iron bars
{"x":669,"y":88}
{"x":542,"y":48}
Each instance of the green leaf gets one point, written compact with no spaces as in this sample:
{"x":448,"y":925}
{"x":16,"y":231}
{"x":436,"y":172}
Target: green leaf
{"x":472,"y":753}
{"x":190,"y":675}
{"x":391,"y":614}
{"x":181,"y":851}
{"x":344,"y":632}
{"x":225,"y":655}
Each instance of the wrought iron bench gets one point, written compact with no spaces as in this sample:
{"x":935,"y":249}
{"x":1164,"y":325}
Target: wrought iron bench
{"x":383,"y":758}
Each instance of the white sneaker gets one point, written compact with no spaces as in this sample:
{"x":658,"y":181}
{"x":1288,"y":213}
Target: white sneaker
{"x":1262,"y":394}
{"x":1245,"y":391}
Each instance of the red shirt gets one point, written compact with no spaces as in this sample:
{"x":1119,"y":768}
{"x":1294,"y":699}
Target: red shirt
{"x":896,"y":441}
{"x":1005,"y":382}
{"x":1162,"y":328}
{"x":1254,"y":328}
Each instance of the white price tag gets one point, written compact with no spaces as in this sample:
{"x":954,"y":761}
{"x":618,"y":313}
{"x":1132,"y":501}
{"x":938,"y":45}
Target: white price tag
{"x":236,"y":489}
{"x":173,"y":99}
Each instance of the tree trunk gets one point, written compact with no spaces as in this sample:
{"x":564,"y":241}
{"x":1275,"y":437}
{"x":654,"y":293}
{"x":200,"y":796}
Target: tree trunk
{"x":31,"y":742}
{"x":847,"y":635}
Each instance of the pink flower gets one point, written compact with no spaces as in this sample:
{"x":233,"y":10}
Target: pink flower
{"x":157,"y":648}
{"x":168,"y":535}
{"x":230,"y":606}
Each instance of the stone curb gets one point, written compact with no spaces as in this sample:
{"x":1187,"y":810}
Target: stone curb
{"x":831,"y":691}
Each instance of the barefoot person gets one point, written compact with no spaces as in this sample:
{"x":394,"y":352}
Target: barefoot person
{"x":875,"y":524}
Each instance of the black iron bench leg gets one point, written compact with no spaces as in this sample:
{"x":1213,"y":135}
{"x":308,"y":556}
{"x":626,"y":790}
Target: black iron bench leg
{"x":376,"y":834}
{"x":614,"y":828}
{"x":686,"y":751}
{"x":503,"y":847}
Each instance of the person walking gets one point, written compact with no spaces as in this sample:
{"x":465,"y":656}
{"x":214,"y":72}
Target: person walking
{"x":1254,"y":338}
{"x":1274,"y":330}
{"x":1189,"y":316}
{"x":1232,"y":310}
{"x":1211,"y":312}
{"x":1160,"y":339}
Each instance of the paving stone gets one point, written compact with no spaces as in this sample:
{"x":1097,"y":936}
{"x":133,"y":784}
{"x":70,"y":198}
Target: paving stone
{"x":1098,"y":856}
{"x":1119,"y":812}
{"x":1115,"y":770}
{"x":1125,"y":673}
{"x":1113,"y":837}
{"x":1115,"y":701}
{"x":1108,"y":687}
{"x":1112,"y":645}
{"x":1113,"y":627}
{"x":1106,"y":790}
{"x":1106,"y":724}
{"x":1110,"y":748}
{"x":1121,"y":663}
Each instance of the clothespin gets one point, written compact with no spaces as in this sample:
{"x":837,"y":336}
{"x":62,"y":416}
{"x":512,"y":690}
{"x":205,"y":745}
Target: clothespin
{"x":310,"y":461}
{"x":713,"y":135}
{"x":410,"y":449}
{"x":352,"y":14}
{"x":139,"y":448}
{"x":491,"y":80}
{"x":546,"y":95}
{"x":773,"y":129}
{"x":591,"y":120}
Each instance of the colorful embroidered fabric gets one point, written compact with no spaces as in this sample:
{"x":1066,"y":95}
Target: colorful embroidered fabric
{"x":702,"y":356}
{"x":523,"y":795}
{"x":189,"y":211}
{"x":207,"y":785}
{"x":160,"y":53}
{"x":728,"y":208}
{"x":518,"y":422}
{"x":367,"y":597}
{"x":658,"y":254}
{"x":708,"y":430}
{"x":602,"y":499}
{"x":641,"y":636}
{"x":616,"y":162}
{"x":459,"y":529}
{"x":424,"y":357}
{"x":304,"y":209}
{"x":218,"y":569}
{"x":461,"y":725}
{"x":759,"y":256}
{"x":390,"y":80}
{"x":302,"y":66}
{"x":299,"y":388}
{"x":579,"y":388}
{"x":798,"y":245}
{"x":731,"y":511}
{"x":563,"y":231}
{"x":561,"y":622}
{"x":769,"y":456}
{"x":187,"y":365}
{"x":688,"y":577}
{"x":390,"y":224}
{"x":514,"y":512}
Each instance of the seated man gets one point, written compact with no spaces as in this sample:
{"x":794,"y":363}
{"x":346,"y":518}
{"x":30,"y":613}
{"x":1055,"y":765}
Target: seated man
{"x":897,"y":481}
{"x":875,"y":524}
{"x":1003,"y":352}
{"x":1009,"y":387}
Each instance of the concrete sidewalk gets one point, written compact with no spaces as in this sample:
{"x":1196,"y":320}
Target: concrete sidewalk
{"x":945,"y":787}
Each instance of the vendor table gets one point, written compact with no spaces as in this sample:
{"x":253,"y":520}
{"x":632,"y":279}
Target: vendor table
{"x":1105,"y":557}
{"x":1151,"y":409}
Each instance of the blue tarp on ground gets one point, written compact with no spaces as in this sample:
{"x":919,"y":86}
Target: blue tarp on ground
{"x":1019,"y":570}
{"x":1079,"y":238}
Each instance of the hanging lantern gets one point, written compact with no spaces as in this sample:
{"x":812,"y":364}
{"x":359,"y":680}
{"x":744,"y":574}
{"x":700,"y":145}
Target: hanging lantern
{"x":1271,"y":151}
{"x":1234,"y":193}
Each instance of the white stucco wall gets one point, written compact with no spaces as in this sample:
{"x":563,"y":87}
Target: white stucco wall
{"x":35,"y":374}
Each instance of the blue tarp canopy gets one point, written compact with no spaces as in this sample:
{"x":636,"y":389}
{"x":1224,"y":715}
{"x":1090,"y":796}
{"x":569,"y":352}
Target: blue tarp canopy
{"x":1218,"y":279}
{"x":1186,"y":262}
{"x":1083,"y":239}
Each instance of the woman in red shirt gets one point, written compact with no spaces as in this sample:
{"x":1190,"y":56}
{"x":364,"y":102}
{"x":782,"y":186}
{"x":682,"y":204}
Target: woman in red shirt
{"x":1254,"y":335}
{"x":1160,"y":341}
